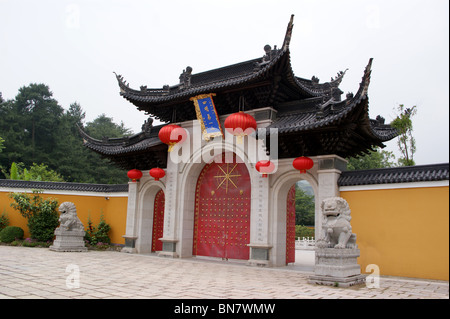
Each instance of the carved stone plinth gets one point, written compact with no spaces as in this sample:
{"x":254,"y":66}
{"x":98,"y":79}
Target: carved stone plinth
{"x":336,"y":250}
{"x":70,"y":233}
{"x":337,"y":267}
{"x":71,"y":240}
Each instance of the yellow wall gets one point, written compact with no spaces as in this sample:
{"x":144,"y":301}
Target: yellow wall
{"x":403,"y":231}
{"x":114,"y":211}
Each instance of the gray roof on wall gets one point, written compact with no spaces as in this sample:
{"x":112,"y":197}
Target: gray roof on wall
{"x":78,"y":187}
{"x":408,"y":174}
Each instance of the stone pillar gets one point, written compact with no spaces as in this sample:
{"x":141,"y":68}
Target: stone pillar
{"x":169,"y":236}
{"x":259,"y":222}
{"x":328,"y":173}
{"x":132,"y":210}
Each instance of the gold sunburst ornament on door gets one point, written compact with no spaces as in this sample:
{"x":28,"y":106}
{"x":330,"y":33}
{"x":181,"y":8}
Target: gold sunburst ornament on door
{"x":227,"y":178}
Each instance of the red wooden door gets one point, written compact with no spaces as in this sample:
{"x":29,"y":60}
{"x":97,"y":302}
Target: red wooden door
{"x":222,"y":211}
{"x":290,"y":226}
{"x":158,"y":221}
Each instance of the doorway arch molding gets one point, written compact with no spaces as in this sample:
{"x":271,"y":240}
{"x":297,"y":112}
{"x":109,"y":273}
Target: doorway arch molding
{"x":189,"y":173}
{"x":279,"y":186}
{"x":144,"y":227}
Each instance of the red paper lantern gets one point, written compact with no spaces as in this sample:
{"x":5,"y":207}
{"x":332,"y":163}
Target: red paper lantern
{"x":265,"y":167}
{"x":172,"y":134}
{"x":303,"y":163}
{"x":240,"y":124}
{"x":157,"y":173}
{"x":134,"y":174}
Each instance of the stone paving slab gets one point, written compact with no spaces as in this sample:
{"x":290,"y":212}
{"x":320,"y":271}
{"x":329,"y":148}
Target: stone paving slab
{"x":34,"y":273}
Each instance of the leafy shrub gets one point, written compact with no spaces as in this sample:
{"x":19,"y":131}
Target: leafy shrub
{"x":10,"y":234}
{"x":4,"y":220}
{"x":99,"y":234}
{"x":29,"y":242}
{"x":41,"y":214}
{"x":303,"y":231}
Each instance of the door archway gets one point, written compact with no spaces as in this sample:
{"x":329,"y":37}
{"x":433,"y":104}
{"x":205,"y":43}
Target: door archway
{"x":222,"y":211}
{"x":290,"y":226}
{"x":158,"y":221}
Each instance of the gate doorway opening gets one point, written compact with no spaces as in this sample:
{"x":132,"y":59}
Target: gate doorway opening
{"x":158,"y":221}
{"x":222,"y":211}
{"x":300,"y":224}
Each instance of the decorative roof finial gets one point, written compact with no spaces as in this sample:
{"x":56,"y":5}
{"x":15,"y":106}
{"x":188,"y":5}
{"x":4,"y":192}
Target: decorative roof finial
{"x":287,"y":38}
{"x":185,"y":77}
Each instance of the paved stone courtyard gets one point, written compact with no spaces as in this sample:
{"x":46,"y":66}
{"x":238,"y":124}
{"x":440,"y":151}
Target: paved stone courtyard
{"x":34,"y":273}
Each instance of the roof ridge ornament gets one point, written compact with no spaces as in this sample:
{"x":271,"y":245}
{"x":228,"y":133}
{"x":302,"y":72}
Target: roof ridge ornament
{"x":122,"y":83}
{"x":185,"y":77}
{"x":287,"y":37}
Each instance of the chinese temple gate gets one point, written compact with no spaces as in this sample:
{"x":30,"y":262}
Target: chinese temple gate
{"x":217,"y":199}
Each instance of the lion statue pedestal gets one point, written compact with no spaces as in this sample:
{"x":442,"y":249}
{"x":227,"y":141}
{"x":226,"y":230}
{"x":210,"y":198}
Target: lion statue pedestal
{"x":336,"y":252}
{"x":70,"y":233}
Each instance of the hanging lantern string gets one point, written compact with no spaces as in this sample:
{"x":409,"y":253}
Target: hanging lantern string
{"x":241,"y":103}
{"x":174,"y":114}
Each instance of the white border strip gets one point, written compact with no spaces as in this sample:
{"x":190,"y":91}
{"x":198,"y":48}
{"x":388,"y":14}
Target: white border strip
{"x":394,"y":186}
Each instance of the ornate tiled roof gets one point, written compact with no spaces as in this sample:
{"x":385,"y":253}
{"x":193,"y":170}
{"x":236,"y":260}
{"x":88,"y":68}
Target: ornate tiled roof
{"x":330,"y":125}
{"x":408,"y":174}
{"x":62,"y":186}
{"x":311,"y":118}
{"x":268,"y":81}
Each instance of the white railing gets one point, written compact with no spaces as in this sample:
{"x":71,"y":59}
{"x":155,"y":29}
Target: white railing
{"x":305,"y":243}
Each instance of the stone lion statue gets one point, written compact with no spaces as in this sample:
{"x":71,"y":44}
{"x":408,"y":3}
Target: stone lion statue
{"x":68,"y":218}
{"x":336,"y":224}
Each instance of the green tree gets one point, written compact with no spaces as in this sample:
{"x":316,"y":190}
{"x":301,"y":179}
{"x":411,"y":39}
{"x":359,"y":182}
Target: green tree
{"x":40,"y":115}
{"x":77,"y":163}
{"x":36,"y":129}
{"x":14,"y":172}
{"x":41,"y":214}
{"x":34,"y":173}
{"x":1,"y":144}
{"x":304,"y":207}
{"x":13,"y":132}
{"x":374,"y":159}
{"x":405,"y":140}
{"x":104,"y":126}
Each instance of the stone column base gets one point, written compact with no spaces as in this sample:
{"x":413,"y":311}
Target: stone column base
{"x":169,"y":248}
{"x":259,"y":256}
{"x":129,"y":247}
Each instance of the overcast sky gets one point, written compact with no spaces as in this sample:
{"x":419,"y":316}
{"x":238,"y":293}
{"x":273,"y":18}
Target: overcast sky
{"x":74,"y":47}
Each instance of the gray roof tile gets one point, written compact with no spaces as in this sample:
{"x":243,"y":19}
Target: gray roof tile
{"x":408,"y":174}
{"x":79,"y":187}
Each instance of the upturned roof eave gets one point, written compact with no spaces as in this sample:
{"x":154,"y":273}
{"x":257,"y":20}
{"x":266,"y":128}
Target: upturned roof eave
{"x":117,"y":146}
{"x":344,"y":108}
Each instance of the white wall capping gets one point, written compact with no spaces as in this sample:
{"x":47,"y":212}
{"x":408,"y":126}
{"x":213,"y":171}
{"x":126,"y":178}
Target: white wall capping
{"x":444,"y":183}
